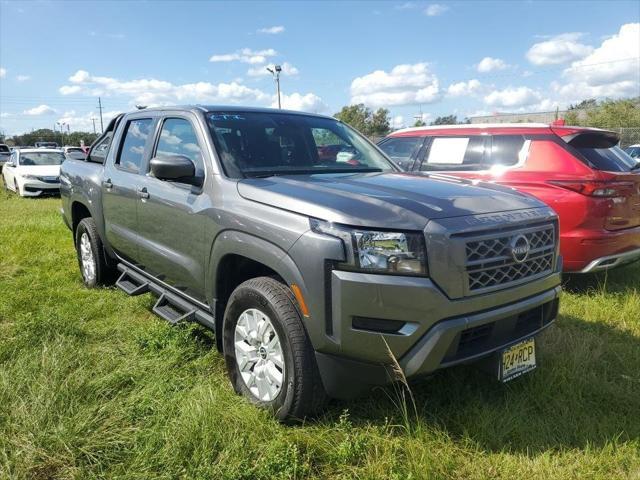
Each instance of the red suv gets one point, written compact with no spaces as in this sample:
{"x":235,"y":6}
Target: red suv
{"x":580,"y":172}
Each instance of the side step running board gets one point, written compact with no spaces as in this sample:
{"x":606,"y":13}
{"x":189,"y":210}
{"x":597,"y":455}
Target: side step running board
{"x":132,"y":284}
{"x":173,"y":310}
{"x":170,"y":306}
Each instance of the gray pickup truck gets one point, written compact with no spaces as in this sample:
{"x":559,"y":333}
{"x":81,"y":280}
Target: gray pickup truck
{"x":315,"y":260}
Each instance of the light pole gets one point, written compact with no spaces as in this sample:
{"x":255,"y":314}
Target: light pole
{"x":276,"y":75}
{"x":61,"y":125}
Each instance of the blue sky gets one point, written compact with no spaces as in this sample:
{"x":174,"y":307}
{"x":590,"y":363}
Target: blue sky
{"x":438,"y":58}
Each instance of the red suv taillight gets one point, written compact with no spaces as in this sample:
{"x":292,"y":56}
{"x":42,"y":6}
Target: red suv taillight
{"x":595,"y":188}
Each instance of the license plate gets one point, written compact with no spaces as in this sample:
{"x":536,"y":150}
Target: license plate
{"x":518,"y":359}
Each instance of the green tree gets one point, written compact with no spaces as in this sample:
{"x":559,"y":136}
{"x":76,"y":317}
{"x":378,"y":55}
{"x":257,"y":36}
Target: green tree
{"x":605,"y":114}
{"x":48,"y":135}
{"x":380,"y":122}
{"x":365,"y":120}
{"x":448,"y":120}
{"x":419,"y":123}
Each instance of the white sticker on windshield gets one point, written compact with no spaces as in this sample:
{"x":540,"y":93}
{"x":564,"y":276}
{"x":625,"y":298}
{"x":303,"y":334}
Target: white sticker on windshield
{"x":448,"y":150}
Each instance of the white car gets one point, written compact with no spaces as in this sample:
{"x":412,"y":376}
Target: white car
{"x":33,"y":171}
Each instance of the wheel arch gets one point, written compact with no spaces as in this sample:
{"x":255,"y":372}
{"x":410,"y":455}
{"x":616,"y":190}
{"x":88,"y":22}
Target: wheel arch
{"x":237,"y":257}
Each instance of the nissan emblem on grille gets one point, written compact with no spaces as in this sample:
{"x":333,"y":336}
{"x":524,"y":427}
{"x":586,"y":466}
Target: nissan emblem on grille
{"x":520,"y":248}
{"x":501,"y":259}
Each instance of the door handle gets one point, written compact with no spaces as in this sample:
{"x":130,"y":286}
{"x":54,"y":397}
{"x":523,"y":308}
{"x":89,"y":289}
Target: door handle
{"x":142,"y":192}
{"x":107,"y":184}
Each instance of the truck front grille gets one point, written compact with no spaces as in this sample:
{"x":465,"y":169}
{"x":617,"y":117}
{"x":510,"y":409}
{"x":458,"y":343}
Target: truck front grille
{"x":497,"y":260}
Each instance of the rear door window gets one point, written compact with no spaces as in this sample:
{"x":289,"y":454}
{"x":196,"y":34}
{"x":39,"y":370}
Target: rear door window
{"x":401,"y":149}
{"x":134,"y":144}
{"x":455,"y":154}
{"x":507,"y":150}
{"x":612,"y":159}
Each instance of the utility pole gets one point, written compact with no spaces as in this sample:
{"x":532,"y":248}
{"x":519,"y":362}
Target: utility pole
{"x":100,"y":108}
{"x":94,"y":124}
{"x":276,"y":76}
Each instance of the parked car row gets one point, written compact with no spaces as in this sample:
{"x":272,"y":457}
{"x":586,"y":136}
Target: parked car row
{"x":319,"y":263}
{"x":581,"y":173}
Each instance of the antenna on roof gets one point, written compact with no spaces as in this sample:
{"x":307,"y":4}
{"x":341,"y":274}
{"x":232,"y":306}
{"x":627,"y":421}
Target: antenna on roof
{"x":141,"y":107}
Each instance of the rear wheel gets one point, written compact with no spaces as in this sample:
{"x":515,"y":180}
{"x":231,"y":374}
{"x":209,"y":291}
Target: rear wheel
{"x":269,"y":357}
{"x":93,"y":263}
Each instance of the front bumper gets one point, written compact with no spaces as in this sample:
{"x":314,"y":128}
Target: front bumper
{"x":36,"y":187}
{"x":433,"y":331}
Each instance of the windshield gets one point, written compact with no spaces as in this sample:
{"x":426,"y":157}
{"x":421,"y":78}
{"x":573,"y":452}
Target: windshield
{"x":4,"y":149}
{"x":41,"y":158}
{"x":273,"y":143}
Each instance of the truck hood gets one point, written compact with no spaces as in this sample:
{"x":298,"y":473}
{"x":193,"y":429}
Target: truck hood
{"x":386,"y":200}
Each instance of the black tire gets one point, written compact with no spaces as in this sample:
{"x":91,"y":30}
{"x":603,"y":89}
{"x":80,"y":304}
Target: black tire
{"x":105,"y":274}
{"x":301,"y":394}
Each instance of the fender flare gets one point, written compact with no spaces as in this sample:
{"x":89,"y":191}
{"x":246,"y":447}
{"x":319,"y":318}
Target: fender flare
{"x":253,"y":248}
{"x":233,"y":242}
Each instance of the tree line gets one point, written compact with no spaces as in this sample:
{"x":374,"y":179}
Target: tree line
{"x":48,"y":135}
{"x":378,"y":123}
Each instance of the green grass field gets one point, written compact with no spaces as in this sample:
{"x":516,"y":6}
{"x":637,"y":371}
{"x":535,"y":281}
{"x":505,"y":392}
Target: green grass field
{"x":93,"y":385}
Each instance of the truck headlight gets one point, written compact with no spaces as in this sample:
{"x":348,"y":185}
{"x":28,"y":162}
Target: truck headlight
{"x":377,"y":251}
{"x":30,"y":177}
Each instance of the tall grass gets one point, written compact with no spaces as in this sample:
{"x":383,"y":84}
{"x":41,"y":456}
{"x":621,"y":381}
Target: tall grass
{"x":92,"y":385}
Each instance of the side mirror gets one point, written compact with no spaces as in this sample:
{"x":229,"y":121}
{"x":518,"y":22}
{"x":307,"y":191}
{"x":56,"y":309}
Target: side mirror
{"x":175,"y":167}
{"x":9,"y":164}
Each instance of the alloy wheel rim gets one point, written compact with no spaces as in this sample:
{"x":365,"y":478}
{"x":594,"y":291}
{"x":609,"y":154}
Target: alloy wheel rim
{"x":86,"y":257}
{"x":259,"y":354}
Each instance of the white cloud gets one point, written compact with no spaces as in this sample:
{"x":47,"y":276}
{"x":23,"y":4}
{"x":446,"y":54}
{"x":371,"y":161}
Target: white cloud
{"x":403,"y":85}
{"x":69,"y":89}
{"x":84,"y":122}
{"x":287,"y":69}
{"x":464,"y":88}
{"x":3,"y":72}
{"x":80,"y":76}
{"x":397,"y":122}
{"x":153,"y":92}
{"x":488,"y":64}
{"x":611,"y":70}
{"x":40,"y":110}
{"x":562,"y":48}
{"x":309,"y":102}
{"x":245,"y":55}
{"x":23,"y":78}
{"x":272,"y":30}
{"x":435,"y":9}
{"x":512,"y":97}
{"x":406,"y":6}
{"x":157,"y":92}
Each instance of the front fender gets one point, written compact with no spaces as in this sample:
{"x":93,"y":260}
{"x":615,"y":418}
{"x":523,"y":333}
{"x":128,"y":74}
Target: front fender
{"x":233,"y":242}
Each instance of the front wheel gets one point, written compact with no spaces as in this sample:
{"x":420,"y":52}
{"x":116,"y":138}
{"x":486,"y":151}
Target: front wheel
{"x":91,"y":257}
{"x":269,"y":357}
